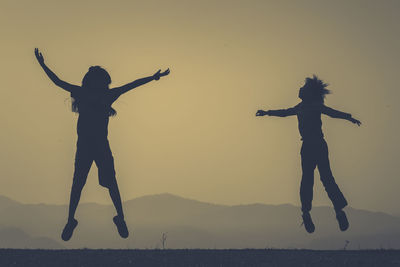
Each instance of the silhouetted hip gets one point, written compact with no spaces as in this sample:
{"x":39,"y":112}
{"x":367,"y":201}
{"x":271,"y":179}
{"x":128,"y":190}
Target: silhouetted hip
{"x":314,"y":153}
{"x":97,"y":150}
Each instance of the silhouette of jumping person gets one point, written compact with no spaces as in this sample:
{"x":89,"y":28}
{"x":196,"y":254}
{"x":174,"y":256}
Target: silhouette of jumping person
{"x":93,"y":102}
{"x":314,"y":150}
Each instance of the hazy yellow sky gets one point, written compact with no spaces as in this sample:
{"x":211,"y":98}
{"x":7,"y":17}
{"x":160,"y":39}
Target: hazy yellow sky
{"x":194,"y":133}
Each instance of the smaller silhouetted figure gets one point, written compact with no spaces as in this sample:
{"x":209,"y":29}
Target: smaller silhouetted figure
{"x":93,"y":102}
{"x":314,"y":151}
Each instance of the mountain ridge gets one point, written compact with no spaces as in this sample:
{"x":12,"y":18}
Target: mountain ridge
{"x":196,"y":224}
{"x":173,"y":196}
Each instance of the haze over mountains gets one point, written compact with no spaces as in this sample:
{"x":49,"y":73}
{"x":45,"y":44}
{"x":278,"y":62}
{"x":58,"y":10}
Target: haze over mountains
{"x":192,"y":224}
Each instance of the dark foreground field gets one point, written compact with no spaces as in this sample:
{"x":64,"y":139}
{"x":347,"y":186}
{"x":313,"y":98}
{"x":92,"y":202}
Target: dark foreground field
{"x":250,"y":257}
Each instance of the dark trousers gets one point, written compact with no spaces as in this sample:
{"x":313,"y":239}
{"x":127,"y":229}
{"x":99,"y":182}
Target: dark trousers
{"x":315,"y":154}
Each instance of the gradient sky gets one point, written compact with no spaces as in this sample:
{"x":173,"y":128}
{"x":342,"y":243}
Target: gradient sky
{"x":194,"y":132}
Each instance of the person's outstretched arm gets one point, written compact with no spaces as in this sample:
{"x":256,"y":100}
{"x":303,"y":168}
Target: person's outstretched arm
{"x":127,"y":87}
{"x":57,"y":81}
{"x":278,"y":112}
{"x":339,"y":114}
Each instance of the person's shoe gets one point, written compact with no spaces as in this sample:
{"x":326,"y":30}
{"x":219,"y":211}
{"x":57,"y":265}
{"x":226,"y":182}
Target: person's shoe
{"x":69,"y":229}
{"x":308,"y":223}
{"x":121,"y":226}
{"x":342,"y":220}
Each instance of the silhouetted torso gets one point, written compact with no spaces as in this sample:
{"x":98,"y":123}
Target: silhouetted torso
{"x":94,"y":109}
{"x":309,"y":118}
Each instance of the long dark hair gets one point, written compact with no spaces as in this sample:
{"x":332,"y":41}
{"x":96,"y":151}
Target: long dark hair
{"x":96,"y":78}
{"x":314,"y":90}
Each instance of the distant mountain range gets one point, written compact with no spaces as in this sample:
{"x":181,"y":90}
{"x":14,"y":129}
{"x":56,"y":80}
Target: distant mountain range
{"x":192,"y":224}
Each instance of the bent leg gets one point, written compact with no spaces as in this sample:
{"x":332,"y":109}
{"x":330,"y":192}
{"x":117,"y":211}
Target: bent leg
{"x":105,"y":165}
{"x":82,"y":167}
{"x":327,"y":179}
{"x":118,"y":220}
{"x":116,"y":198}
{"x":307,"y":181}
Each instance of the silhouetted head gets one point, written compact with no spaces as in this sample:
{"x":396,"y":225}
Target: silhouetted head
{"x":96,"y":78}
{"x":313,"y":90}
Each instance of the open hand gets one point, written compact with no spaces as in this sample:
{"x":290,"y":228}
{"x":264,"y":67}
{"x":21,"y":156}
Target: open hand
{"x":261,"y":112}
{"x":159,"y":74}
{"x":355,"y":121}
{"x":39,"y":56}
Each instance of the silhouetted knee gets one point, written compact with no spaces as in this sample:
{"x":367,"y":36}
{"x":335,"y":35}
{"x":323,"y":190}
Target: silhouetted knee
{"x":78,"y":184}
{"x":112,"y":186}
{"x":328,"y":181}
{"x":307,"y":177}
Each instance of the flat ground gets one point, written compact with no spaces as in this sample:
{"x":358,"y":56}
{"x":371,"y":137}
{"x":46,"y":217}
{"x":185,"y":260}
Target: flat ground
{"x":193,"y":257}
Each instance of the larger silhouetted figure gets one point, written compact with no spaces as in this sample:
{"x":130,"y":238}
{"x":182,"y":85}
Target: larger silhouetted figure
{"x":314,"y":151}
{"x":93,"y":100}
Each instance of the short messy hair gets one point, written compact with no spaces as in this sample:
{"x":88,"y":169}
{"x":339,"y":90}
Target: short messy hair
{"x":315,"y":89}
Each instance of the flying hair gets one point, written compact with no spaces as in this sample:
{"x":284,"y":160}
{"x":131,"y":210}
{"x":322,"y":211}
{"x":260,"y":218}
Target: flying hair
{"x":315,"y":89}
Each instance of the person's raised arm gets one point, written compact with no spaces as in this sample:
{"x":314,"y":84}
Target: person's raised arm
{"x":127,"y":87}
{"x":277,"y":112}
{"x":333,"y":113}
{"x":57,"y":81}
